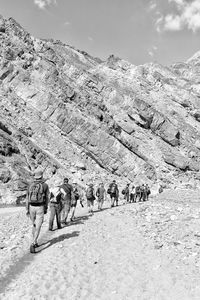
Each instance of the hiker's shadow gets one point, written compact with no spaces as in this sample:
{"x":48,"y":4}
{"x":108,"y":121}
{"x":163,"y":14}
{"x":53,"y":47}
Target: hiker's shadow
{"x":57,"y":239}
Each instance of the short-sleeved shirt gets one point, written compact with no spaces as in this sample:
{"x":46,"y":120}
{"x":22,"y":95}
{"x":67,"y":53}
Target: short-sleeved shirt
{"x":45,"y":191}
{"x":68,"y":190}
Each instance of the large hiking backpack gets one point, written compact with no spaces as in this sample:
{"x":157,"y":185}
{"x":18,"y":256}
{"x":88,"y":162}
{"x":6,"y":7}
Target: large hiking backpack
{"x":36,"y":193}
{"x":137,"y":189}
{"x":113,"y":188}
{"x":90,"y":193}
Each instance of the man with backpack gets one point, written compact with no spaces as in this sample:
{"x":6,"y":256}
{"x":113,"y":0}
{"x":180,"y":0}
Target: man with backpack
{"x":75,"y":197}
{"x":66,"y":190}
{"x":55,"y":207}
{"x":147,"y":192}
{"x":142,"y":193}
{"x":37,"y":205}
{"x":100,"y":193}
{"x":126,"y":193}
{"x":114,"y":193}
{"x":137,"y":193}
{"x":90,"y":197}
{"x":132,"y":194}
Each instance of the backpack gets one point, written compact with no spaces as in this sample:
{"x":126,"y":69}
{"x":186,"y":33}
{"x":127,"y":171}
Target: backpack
{"x":36,"y":193}
{"x":137,"y":189}
{"x":148,"y":191}
{"x":89,"y":193}
{"x":113,"y":189}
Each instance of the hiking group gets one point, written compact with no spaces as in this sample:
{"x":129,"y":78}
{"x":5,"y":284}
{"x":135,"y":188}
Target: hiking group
{"x":63,"y":200}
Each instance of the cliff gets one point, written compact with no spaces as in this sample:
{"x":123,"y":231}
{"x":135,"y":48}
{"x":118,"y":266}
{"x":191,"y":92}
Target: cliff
{"x":71,"y":114}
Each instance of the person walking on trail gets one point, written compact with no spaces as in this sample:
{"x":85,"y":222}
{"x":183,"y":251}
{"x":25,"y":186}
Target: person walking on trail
{"x":55,"y":208}
{"x":147,"y":192}
{"x":37,"y":205}
{"x":160,"y":190}
{"x":142,"y":193}
{"x":132,"y":194}
{"x":126,"y":193}
{"x":66,"y":190}
{"x":101,"y":194}
{"x":90,"y":197}
{"x":137,"y":193}
{"x":114,"y":193}
{"x":75,"y":197}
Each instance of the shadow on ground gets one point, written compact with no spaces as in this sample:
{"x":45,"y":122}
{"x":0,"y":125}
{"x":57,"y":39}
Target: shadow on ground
{"x":47,"y":241}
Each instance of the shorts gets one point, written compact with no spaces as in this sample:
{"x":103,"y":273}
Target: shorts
{"x":74,"y":203}
{"x":37,"y":215}
{"x":113,"y":195}
{"x":66,"y":205}
{"x":90,"y":202}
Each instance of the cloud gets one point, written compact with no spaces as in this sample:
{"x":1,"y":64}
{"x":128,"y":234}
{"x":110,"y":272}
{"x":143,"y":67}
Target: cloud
{"x":185,"y":14}
{"x":42,"y":4}
{"x":152,"y":51}
{"x":172,"y":23}
{"x":67,"y":23}
{"x":152,"y":5}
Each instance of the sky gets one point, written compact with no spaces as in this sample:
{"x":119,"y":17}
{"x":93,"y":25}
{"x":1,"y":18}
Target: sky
{"x":139,"y":31}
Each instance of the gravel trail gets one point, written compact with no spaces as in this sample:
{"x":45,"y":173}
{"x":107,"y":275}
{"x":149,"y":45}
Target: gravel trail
{"x":142,"y":251}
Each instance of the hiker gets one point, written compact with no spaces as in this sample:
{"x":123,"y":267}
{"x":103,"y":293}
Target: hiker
{"x":90,"y":197}
{"x":160,"y":189}
{"x":113,"y":191}
{"x":37,"y":205}
{"x":55,"y":207}
{"x":142,"y":193}
{"x":66,"y":190}
{"x":101,"y":194}
{"x":75,"y":197}
{"x":132,"y":194}
{"x":147,"y":192}
{"x":137,"y":193}
{"x":126,"y":193}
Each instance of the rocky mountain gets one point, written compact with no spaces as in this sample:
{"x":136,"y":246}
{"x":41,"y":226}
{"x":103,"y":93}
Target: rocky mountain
{"x":72,"y":114}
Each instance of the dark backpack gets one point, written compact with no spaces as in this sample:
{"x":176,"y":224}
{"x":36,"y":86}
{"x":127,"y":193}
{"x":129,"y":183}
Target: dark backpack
{"x":148,"y":191}
{"x":90,"y":193}
{"x":36,"y":193}
{"x":113,"y":188}
{"x":137,"y":189}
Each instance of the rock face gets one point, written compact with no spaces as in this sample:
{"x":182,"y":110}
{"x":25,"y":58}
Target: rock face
{"x":72,"y":114}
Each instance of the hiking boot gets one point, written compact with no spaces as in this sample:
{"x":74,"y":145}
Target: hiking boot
{"x":32,"y":248}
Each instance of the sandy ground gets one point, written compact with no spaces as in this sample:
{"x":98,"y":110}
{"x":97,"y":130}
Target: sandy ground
{"x":142,"y":251}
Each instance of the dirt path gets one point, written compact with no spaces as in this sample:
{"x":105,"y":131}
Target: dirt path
{"x":147,"y":251}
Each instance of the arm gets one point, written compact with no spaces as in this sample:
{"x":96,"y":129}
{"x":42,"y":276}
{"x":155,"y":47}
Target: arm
{"x":63,"y":191}
{"x":46,"y":198}
{"x":27,"y":203}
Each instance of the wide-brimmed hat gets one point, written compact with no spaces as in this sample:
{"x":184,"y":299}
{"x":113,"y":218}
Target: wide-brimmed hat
{"x":38,"y":175}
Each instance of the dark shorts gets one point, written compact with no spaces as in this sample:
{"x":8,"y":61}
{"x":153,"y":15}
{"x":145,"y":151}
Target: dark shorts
{"x":90,"y":202}
{"x":113,"y":195}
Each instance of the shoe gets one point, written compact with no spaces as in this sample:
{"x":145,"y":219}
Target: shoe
{"x":32,"y":248}
{"x":50,"y":229}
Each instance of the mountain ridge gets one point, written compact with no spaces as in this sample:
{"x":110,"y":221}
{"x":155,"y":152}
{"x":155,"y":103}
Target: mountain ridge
{"x":71,"y":114}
